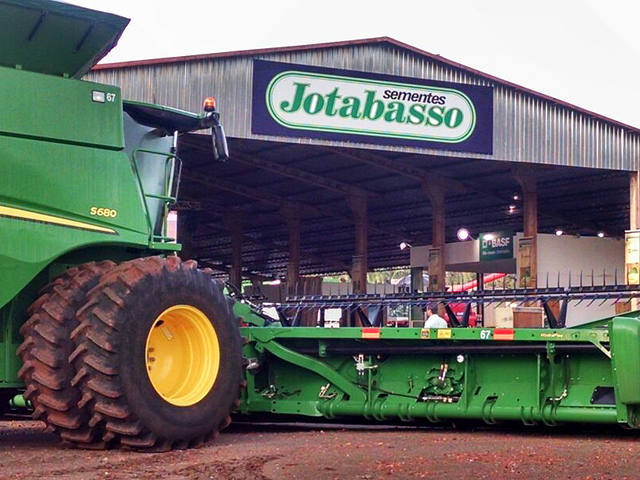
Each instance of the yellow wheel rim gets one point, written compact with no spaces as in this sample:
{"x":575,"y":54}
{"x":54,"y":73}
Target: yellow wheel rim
{"x":182,"y":355}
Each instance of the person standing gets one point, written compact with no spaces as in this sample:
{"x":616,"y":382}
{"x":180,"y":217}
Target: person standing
{"x":433,"y":319}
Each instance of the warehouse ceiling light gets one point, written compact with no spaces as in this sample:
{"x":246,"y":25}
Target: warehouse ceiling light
{"x":512,"y":209}
{"x":601,"y":234}
{"x":463,"y":234}
{"x":559,"y":232}
{"x":404,"y":245}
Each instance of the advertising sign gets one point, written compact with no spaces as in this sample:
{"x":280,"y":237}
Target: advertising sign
{"x":305,"y":101}
{"x":496,"y":245}
{"x":632,"y":256}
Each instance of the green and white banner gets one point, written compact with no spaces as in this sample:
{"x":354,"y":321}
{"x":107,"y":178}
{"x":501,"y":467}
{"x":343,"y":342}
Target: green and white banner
{"x":296,"y":100}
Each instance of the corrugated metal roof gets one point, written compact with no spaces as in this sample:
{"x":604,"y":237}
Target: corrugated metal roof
{"x":527,"y":127}
{"x":364,"y":41}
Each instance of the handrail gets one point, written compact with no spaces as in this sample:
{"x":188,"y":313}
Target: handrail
{"x":167,"y":198}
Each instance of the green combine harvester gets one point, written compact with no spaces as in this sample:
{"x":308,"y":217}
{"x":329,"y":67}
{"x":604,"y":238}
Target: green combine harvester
{"x":113,"y":340}
{"x":119,"y":341}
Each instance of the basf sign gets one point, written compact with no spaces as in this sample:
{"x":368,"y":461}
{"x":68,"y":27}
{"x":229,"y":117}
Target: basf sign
{"x":496,"y":246}
{"x":303,"y":101}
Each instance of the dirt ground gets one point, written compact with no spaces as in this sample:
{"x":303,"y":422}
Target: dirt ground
{"x":293,"y":452}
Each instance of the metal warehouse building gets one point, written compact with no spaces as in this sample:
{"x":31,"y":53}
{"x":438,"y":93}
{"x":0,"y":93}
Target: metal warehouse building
{"x":341,"y":151}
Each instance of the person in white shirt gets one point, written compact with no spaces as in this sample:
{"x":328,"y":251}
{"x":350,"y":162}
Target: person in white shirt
{"x":434,"y":320}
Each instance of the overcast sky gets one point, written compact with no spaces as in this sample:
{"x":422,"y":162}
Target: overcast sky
{"x":586,"y":52}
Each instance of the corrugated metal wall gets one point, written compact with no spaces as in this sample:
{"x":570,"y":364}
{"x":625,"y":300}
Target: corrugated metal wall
{"x":526,"y":128}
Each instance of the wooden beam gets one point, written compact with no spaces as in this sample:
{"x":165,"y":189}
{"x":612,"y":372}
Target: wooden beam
{"x":526,"y":177}
{"x":214,"y":265}
{"x":437,"y":266}
{"x":416,"y":316}
{"x":634,"y":199}
{"x":266,"y":197}
{"x":293,"y":263}
{"x":303,"y":176}
{"x":333,"y":262}
{"x":360,"y":264}
{"x":631,"y":240}
{"x":288,"y":171}
{"x":528,"y":257}
{"x":234,"y":225}
{"x":242,"y":190}
{"x":436,"y":196}
{"x":208,"y":206}
{"x":397,"y":166}
{"x":451,"y":185}
{"x":554,"y":213}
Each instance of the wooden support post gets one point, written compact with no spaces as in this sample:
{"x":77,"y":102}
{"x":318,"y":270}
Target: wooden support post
{"x":437,"y":267}
{"x":293,"y":265}
{"x":234,"y":225}
{"x":359,"y":266}
{"x":632,"y":242}
{"x":634,"y":201}
{"x":186,"y":232}
{"x":416,"y":315}
{"x":527,"y":253}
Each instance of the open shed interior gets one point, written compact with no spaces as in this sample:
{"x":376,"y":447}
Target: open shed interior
{"x":266,"y":182}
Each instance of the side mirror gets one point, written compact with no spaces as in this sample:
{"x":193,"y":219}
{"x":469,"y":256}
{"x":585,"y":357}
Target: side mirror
{"x":219,"y":143}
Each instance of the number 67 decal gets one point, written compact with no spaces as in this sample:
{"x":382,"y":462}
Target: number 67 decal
{"x":486,"y":334}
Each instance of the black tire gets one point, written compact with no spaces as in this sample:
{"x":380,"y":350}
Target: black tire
{"x":111,"y":359}
{"x":45,"y":351}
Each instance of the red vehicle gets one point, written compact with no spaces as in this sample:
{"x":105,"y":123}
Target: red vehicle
{"x":457,"y":308}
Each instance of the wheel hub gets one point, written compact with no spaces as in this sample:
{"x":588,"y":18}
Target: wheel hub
{"x":182,"y":355}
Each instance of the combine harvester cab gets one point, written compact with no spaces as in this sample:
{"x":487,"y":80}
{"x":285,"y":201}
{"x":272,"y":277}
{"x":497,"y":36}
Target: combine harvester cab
{"x":119,"y":341}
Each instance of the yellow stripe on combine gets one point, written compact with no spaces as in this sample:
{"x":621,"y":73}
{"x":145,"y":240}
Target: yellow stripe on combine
{"x":40,"y":217}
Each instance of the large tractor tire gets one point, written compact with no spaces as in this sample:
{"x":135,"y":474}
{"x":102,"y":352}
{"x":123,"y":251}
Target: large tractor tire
{"x":45,"y":352}
{"x":158,"y":355}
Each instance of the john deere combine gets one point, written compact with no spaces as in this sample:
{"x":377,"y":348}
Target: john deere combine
{"x":120,"y":342}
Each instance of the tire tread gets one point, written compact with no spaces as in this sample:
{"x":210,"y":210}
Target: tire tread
{"x":96,"y":354}
{"x":47,"y":372}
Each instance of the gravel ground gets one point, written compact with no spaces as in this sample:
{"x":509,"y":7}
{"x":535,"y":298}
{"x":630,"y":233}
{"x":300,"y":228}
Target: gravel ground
{"x":293,"y":452}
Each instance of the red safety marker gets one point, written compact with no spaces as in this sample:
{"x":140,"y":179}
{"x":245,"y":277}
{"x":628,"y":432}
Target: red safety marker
{"x":503,"y":334}
{"x":371,"y":333}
